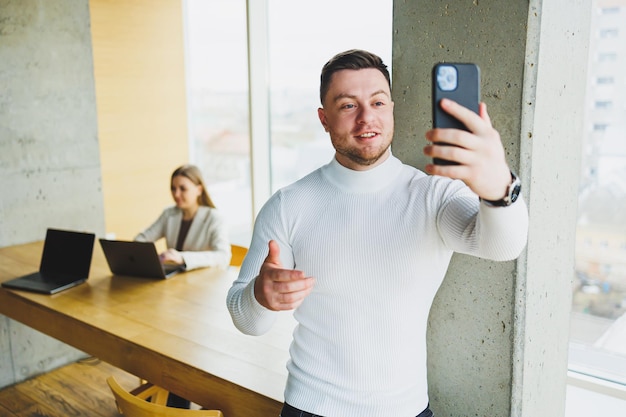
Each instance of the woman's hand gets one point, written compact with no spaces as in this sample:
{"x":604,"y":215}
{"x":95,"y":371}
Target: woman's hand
{"x":171,"y":256}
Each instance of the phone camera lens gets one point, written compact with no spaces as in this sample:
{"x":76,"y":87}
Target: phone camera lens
{"x":447,"y":77}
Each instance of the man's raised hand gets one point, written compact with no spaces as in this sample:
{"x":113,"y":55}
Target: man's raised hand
{"x":276,"y":288}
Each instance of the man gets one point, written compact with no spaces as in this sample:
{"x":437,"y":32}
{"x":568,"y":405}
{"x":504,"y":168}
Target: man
{"x":359,"y":247}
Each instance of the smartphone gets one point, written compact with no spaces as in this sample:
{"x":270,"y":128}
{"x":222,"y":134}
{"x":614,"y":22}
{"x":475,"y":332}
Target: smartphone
{"x":459,"y":82}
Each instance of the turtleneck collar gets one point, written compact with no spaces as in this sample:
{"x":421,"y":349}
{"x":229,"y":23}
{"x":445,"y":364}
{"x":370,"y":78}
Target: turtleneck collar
{"x":367,"y":181}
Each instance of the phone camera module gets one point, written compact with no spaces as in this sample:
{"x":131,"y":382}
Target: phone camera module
{"x":447,"y":77}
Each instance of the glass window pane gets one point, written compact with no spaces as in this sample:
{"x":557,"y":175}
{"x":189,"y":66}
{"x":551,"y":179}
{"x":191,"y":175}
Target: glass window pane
{"x":217,"y":77}
{"x":598,"y":324}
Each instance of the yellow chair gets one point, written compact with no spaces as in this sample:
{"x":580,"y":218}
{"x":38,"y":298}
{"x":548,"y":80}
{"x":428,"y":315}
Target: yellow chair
{"x":135,"y":404}
{"x":239,"y":252}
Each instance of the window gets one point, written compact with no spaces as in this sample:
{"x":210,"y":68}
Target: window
{"x":603,"y":104}
{"x":598,"y":323}
{"x":604,"y":80}
{"x":607,"y":57}
{"x":606,"y":33}
{"x":217,"y":85}
{"x":298,"y":46}
{"x":609,"y":10}
{"x":600,"y":127}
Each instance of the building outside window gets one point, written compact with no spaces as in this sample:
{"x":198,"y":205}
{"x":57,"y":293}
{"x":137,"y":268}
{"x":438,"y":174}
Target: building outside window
{"x":598,"y":320}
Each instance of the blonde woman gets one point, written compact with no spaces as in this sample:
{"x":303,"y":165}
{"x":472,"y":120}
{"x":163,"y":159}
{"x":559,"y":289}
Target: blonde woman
{"x":194,"y":230}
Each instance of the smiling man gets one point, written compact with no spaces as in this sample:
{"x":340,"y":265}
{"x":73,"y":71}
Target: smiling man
{"x":358,"y":248}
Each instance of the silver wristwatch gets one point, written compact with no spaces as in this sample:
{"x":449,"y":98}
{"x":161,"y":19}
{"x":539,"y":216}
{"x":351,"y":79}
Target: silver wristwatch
{"x":512,"y":192}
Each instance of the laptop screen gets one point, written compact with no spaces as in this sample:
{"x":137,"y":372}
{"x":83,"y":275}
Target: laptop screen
{"x":66,"y":253}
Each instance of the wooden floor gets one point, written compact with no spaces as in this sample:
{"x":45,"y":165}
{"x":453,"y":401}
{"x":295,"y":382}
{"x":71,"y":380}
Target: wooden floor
{"x":77,"y":390}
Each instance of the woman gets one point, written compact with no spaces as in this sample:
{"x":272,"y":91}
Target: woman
{"x":195,"y":232}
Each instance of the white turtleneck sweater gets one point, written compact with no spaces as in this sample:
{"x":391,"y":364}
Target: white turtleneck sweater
{"x":378,"y":243}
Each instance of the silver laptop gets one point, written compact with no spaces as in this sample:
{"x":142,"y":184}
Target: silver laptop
{"x":65,"y":263}
{"x":136,"y":259}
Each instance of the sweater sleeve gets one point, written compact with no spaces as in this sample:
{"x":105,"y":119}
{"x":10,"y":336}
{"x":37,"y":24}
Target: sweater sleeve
{"x":202,"y":259}
{"x":155,"y":231}
{"x":474,"y":228}
{"x":247,"y":314}
{"x":214,"y":236}
{"x":503,"y":231}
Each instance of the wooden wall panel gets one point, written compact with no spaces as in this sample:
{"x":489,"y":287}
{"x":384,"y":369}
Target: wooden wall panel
{"x":138,"y":53}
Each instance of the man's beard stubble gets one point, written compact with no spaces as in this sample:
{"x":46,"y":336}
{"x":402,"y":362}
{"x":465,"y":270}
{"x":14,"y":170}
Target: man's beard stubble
{"x":356,"y":155}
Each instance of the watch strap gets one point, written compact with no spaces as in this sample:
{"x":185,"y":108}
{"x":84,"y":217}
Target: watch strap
{"x":512,"y":193}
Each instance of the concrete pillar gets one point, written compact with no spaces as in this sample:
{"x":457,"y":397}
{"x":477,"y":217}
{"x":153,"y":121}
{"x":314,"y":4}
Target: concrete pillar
{"x":498,"y":332}
{"x":49,"y":156}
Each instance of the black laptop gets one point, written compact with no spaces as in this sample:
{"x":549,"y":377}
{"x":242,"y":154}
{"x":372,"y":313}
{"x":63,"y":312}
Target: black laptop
{"x":136,"y":259}
{"x":65,"y":263}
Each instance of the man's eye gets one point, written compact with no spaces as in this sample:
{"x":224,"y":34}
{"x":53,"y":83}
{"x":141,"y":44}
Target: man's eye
{"x":348,"y":106}
{"x":379,"y":103}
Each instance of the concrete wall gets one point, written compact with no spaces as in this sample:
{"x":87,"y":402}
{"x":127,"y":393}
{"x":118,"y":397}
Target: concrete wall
{"x":49,"y":155}
{"x":498,"y":332}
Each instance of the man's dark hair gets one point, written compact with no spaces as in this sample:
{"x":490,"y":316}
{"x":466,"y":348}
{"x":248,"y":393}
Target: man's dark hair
{"x":354,"y":59}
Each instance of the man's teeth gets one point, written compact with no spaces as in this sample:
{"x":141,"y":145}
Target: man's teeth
{"x":367,"y":135}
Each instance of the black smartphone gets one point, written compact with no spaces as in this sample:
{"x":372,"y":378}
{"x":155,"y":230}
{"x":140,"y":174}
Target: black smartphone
{"x":459,"y":82}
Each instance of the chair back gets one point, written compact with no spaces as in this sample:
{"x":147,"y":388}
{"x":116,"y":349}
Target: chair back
{"x":239,"y":252}
{"x":137,"y":406}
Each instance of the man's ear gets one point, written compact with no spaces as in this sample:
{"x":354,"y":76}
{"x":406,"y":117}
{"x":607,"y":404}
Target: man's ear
{"x":322,"y":115}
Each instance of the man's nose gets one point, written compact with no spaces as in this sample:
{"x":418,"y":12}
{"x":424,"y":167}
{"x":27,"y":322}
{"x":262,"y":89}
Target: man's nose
{"x":365,"y":114}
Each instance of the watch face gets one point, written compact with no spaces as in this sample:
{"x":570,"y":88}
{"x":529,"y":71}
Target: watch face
{"x":515,"y":194}
{"x":516,"y":188}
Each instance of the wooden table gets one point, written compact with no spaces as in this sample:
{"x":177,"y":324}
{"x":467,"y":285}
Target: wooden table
{"x":176,"y":333}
